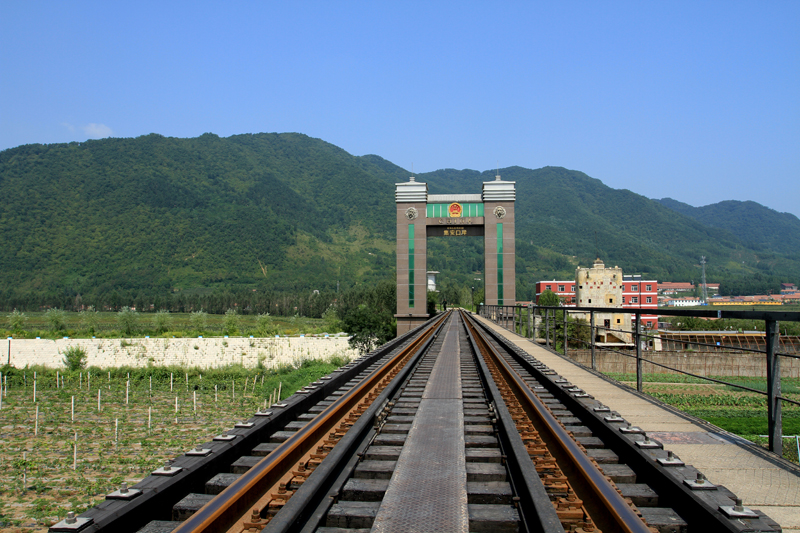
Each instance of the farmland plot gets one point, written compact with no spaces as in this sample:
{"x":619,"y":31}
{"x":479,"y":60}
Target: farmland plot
{"x":120,"y":428}
{"x":740,"y":412}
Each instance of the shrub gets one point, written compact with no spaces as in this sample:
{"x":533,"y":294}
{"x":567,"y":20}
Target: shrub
{"x":74,"y":358}
{"x":199,"y":320}
{"x":127,"y":319}
{"x":16,"y":321}
{"x":331,"y":320}
{"x":264,"y":325}
{"x":230,"y":325}
{"x":89,"y":320}
{"x":55,"y":318}
{"x":161,"y":321}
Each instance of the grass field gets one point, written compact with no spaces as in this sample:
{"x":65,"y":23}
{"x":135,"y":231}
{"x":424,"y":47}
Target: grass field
{"x":741,"y":412}
{"x":122,"y":441}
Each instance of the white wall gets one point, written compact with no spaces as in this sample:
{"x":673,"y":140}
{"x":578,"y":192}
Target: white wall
{"x":204,"y":353}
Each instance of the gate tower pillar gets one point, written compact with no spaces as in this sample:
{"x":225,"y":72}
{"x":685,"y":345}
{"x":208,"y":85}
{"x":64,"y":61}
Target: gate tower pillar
{"x":412,"y":255}
{"x":499,"y":250}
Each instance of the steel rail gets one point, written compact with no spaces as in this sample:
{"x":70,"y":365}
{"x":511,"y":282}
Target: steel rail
{"x":304,"y":511}
{"x":221,"y":513}
{"x":537,"y":513}
{"x":703,"y":514}
{"x":606,"y":507}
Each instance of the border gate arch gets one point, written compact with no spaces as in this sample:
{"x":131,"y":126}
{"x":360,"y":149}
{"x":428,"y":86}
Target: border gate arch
{"x":420,"y":215}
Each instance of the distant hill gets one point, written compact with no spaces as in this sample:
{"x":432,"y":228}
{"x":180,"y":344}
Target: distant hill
{"x":117,"y":218}
{"x":751,"y":222}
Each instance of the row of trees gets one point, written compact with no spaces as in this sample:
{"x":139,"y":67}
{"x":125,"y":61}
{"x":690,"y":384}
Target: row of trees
{"x":310,"y":304}
{"x":130,"y":322}
{"x":366,"y":312}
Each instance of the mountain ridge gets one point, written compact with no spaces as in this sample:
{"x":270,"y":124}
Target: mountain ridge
{"x":288,"y":212}
{"x":754,"y":223}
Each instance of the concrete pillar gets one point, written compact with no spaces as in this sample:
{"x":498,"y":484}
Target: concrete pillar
{"x":412,"y":255}
{"x":499,"y":248}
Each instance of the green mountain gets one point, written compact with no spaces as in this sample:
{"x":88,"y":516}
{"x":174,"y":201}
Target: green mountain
{"x":754,"y":224}
{"x":117,"y":219}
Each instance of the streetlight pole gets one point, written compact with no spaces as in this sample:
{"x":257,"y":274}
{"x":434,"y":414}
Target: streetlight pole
{"x":472,"y":300}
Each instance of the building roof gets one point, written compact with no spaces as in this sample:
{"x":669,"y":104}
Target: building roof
{"x":675,"y":285}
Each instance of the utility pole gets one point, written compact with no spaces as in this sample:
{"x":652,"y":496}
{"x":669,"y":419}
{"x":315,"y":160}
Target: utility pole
{"x":704,"y":294}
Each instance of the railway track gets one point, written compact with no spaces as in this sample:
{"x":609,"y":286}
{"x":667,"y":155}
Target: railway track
{"x":448,"y":428}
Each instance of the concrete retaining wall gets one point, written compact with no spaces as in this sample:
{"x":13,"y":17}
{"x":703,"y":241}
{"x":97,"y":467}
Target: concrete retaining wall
{"x":700,"y":363}
{"x":204,"y":353}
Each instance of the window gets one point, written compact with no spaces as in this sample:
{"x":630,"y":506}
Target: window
{"x":560,"y":288}
{"x":618,"y":321}
{"x":648,"y":288}
{"x":572,"y":288}
{"x":634,"y":287}
{"x":611,"y":300}
{"x":623,"y":299}
{"x":649,"y":300}
{"x":547,"y":287}
{"x":634,"y":299}
{"x":590,"y":300}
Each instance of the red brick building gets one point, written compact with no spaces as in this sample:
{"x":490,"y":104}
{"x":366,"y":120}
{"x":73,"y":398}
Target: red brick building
{"x":636,"y":293}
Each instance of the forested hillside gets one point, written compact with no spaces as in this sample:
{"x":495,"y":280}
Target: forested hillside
{"x":157,"y":219}
{"x":761,"y":227}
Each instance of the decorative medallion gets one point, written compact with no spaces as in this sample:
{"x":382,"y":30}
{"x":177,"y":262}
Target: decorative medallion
{"x":455,"y":210}
{"x":500,"y":211}
{"x":411,"y":213}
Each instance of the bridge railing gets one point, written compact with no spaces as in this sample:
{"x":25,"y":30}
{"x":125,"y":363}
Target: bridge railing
{"x":548,"y":325}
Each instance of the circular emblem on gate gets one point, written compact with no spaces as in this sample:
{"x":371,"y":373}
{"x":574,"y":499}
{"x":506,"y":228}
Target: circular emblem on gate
{"x":411,"y":213}
{"x":499,"y":211}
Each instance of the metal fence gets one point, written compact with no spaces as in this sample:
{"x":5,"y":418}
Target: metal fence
{"x":549,"y":325}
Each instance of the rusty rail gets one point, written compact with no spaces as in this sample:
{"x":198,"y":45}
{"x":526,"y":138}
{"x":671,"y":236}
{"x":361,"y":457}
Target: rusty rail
{"x":603,"y":503}
{"x":234,"y":505}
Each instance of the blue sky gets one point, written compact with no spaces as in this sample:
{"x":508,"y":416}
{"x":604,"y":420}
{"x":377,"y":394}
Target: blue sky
{"x":698,"y":101}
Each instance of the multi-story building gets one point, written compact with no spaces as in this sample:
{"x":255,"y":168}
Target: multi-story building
{"x":635,"y":293}
{"x":565,"y":290}
{"x":641,"y":294}
{"x":602,"y":287}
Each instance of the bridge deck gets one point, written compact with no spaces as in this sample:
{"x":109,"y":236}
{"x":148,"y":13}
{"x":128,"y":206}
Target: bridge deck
{"x":752,"y":473}
{"x":428,"y":491}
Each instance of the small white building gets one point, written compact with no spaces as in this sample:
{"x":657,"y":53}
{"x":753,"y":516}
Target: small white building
{"x":432,"y":280}
{"x":684,"y":302}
